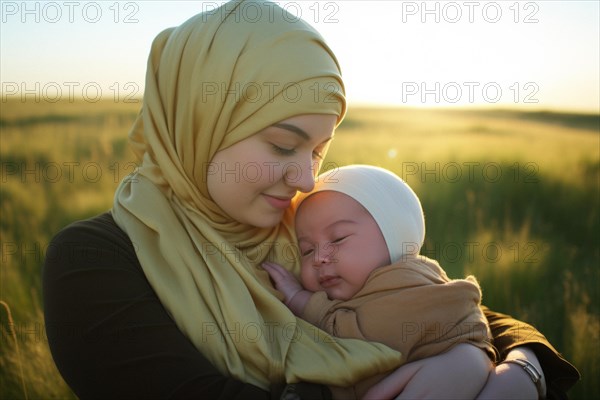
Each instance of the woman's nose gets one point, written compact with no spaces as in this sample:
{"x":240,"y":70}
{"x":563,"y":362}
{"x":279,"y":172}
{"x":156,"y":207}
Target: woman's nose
{"x":300,"y":176}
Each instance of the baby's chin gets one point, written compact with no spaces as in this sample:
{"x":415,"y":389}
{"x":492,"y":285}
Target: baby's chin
{"x":338,"y":294}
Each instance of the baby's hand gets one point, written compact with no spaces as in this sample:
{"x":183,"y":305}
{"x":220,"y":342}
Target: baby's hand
{"x":284,"y":280}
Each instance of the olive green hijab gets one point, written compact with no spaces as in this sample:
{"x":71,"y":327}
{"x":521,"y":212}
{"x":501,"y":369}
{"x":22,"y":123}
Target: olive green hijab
{"x":215,"y":80}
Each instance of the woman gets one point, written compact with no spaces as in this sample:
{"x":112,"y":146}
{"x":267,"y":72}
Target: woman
{"x":163,"y":297}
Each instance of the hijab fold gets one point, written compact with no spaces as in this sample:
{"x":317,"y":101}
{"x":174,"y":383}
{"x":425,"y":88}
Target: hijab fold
{"x":211,"y":82}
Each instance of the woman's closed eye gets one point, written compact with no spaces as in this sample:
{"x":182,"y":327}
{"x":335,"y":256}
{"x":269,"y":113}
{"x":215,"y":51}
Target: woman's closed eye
{"x":317,"y":155}
{"x":283,"y":151}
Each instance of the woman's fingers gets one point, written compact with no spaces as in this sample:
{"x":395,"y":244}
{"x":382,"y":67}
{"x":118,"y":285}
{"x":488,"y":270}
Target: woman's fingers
{"x":393,"y":384}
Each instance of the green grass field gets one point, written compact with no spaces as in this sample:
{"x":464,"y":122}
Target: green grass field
{"x":511,"y":197}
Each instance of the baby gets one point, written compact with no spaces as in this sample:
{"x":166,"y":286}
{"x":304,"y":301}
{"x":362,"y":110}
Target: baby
{"x":360,"y":232}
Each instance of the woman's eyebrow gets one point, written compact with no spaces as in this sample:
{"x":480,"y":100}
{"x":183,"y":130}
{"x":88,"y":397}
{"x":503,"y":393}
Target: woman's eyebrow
{"x":293,"y":128}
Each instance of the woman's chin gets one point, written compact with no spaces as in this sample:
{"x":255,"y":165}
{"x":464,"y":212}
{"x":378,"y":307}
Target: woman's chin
{"x":267,"y":220}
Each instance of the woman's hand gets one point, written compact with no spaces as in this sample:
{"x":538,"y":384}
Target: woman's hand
{"x":460,"y":372}
{"x":510,"y":381}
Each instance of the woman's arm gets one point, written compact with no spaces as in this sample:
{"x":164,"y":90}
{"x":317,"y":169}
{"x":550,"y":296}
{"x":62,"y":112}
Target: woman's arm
{"x":516,"y":339}
{"x":509,"y":380}
{"x":109,"y":334}
{"x":513,"y":339}
{"x":459,"y":373}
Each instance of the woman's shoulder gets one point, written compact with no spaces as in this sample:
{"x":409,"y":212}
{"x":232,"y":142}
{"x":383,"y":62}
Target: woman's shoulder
{"x":97,"y":239}
{"x":100,"y":225}
{"x":100,"y":229}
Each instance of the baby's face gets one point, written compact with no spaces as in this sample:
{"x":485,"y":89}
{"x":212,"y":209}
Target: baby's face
{"x":340,"y":244}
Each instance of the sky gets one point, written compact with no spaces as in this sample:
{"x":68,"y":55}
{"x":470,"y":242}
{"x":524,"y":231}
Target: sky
{"x":531,"y":55}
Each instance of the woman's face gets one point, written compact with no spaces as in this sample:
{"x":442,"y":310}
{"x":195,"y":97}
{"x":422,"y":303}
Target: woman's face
{"x":254,"y":180}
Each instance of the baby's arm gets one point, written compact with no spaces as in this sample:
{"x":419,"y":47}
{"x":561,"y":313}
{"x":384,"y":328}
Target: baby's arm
{"x":296,"y":296}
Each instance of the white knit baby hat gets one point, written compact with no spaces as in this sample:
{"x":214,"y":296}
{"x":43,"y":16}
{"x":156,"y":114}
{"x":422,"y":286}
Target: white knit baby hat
{"x":392,"y":203}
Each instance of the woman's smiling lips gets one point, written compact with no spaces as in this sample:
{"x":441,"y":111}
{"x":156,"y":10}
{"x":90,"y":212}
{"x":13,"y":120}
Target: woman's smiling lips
{"x":279,"y":202}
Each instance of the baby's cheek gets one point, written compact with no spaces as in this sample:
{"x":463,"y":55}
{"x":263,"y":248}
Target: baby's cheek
{"x":309,"y":278}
